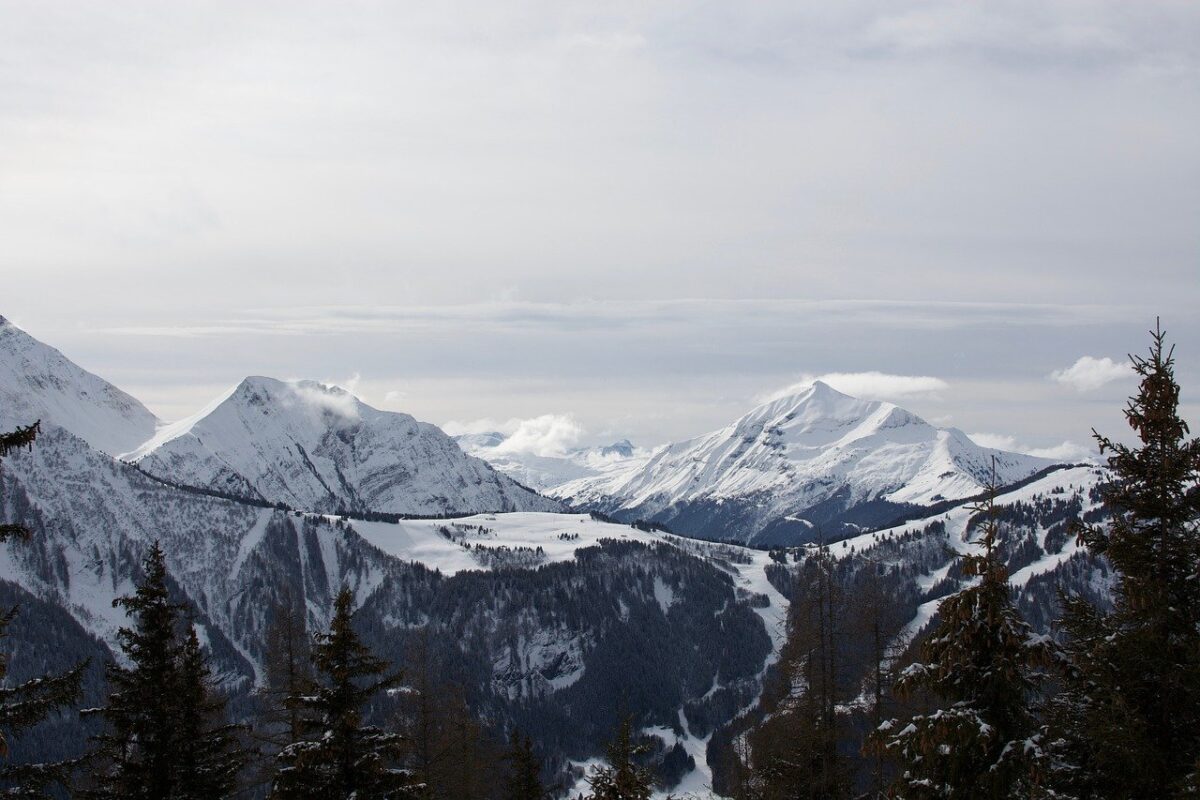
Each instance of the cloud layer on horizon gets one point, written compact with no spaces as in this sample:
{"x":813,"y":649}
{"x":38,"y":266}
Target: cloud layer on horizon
{"x":544,"y":435}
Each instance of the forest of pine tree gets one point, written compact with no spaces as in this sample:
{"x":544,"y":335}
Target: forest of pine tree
{"x":977,"y":707}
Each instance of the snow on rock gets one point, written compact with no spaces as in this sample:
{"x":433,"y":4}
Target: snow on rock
{"x":449,"y":545}
{"x":38,"y":382}
{"x":319,"y":448}
{"x":95,"y":517}
{"x":795,"y":453}
{"x":959,"y":538}
{"x":536,"y":665}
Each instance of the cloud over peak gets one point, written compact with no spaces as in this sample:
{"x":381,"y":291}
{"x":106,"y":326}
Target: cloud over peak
{"x":871,"y":385}
{"x":543,"y":435}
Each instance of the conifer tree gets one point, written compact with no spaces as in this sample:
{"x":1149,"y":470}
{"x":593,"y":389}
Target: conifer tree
{"x":210,"y":753}
{"x":623,"y":778}
{"x":1128,"y":720}
{"x":23,"y":706}
{"x":137,"y":747}
{"x":981,"y":665}
{"x":26,"y":704}
{"x":165,"y":736}
{"x":338,"y":756}
{"x":524,"y":771}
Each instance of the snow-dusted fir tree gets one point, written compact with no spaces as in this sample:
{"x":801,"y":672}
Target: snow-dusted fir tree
{"x":165,"y":736}
{"x":26,"y":704}
{"x":136,"y":750}
{"x":980,"y":664}
{"x":623,"y":778}
{"x":338,"y":756}
{"x":210,"y":752}
{"x":21,"y":707}
{"x":1128,"y":721}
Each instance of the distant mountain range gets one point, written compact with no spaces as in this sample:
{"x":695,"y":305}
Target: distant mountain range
{"x":538,"y":615}
{"x":547,"y":472}
{"x":552,"y":620}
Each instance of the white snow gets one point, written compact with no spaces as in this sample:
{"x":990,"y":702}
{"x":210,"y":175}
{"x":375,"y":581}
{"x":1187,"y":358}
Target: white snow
{"x":957,"y":521}
{"x":663,"y":594}
{"x":319,"y":448}
{"x":252,"y":539}
{"x":39,"y":382}
{"x":420,"y":541}
{"x":800,"y":449}
{"x":544,"y":472}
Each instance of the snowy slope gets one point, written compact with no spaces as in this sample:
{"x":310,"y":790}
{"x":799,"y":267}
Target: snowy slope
{"x":808,"y":459}
{"x":920,"y":560}
{"x":93,"y":518}
{"x":541,"y":639}
{"x":38,"y":382}
{"x":448,"y":545}
{"x":452,"y":546}
{"x":545,"y":472}
{"x":317,"y":447}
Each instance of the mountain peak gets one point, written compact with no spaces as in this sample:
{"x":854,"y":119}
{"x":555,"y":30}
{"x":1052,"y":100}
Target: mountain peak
{"x":810,"y":451}
{"x":622,"y":448}
{"x":259,"y":381}
{"x":808,"y":404}
{"x":37,"y":382}
{"x":316,"y":446}
{"x":272,"y":395}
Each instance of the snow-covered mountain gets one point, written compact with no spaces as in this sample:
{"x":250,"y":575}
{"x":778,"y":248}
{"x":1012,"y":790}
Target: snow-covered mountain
{"x":546,"y":472}
{"x":816,"y":463}
{"x":540,"y":648}
{"x":549,"y":618}
{"x":319,"y":448}
{"x":38,"y":382}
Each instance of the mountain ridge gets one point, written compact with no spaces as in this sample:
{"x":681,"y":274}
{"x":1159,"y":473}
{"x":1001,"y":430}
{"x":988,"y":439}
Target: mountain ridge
{"x":37,"y":382}
{"x":309,"y":445}
{"x":814,"y":458}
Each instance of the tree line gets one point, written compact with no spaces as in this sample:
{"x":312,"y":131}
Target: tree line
{"x":1106,"y":707}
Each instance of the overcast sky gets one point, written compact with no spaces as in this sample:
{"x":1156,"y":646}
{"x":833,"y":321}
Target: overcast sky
{"x":642,"y":215}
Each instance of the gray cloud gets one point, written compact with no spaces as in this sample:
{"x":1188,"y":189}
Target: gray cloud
{"x":494,"y":210}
